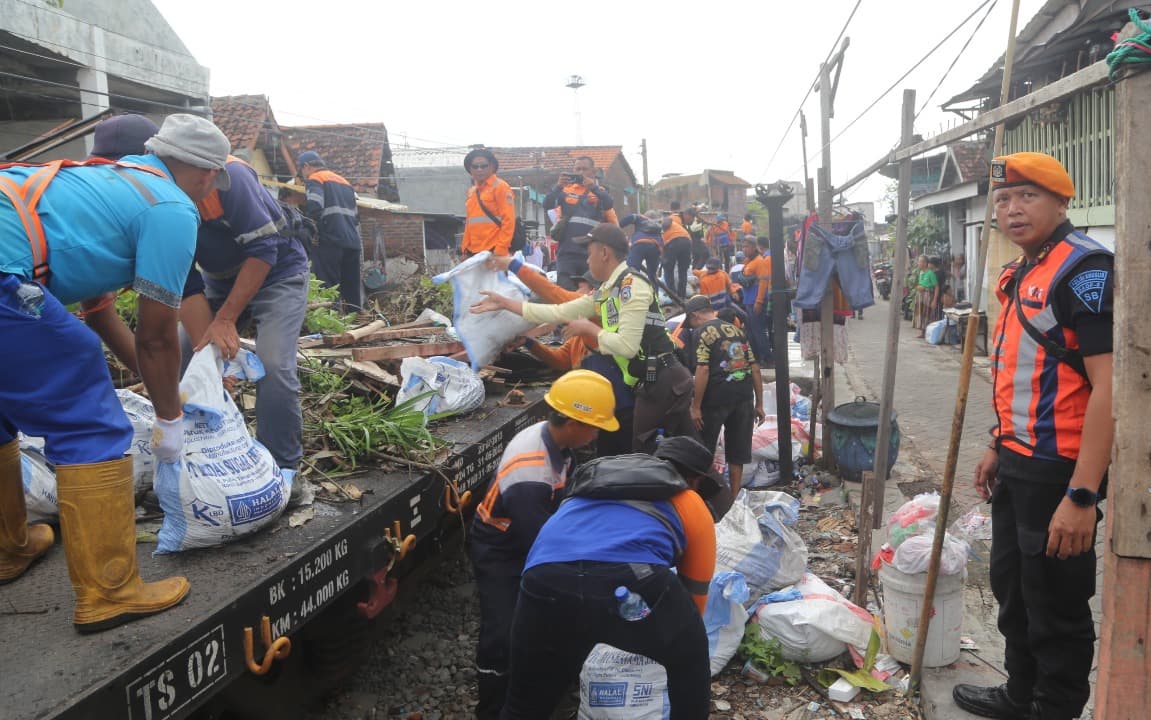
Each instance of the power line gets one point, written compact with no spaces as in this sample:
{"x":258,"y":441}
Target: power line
{"x":896,"y":83}
{"x":810,"y":87}
{"x":956,"y":60}
{"x":169,"y":88}
{"x":373,"y":134}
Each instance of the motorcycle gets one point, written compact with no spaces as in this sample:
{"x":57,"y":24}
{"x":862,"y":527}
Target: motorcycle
{"x":882,"y":275}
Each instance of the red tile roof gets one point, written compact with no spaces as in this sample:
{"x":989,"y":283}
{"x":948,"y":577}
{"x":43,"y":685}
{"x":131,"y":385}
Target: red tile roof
{"x":558,"y":159}
{"x":242,"y":118}
{"x":971,"y":159}
{"x":359,"y":153}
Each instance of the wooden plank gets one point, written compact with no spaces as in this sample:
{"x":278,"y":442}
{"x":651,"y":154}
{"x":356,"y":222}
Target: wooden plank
{"x":401,"y":333}
{"x":395,"y":352}
{"x":372,"y":371}
{"x":355,"y":335}
{"x":1088,"y":77}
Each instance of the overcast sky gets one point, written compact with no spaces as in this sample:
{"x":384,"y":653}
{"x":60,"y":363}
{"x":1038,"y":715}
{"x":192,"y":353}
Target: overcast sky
{"x":708,"y":84}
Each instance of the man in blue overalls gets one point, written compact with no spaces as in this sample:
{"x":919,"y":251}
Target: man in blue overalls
{"x":69,"y":234}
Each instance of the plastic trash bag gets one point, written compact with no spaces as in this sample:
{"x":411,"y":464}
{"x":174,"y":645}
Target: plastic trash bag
{"x":618,"y":685}
{"x":974,"y":525}
{"x":39,"y":478}
{"x":755,"y":538}
{"x":724,"y":618}
{"x":914,"y":517}
{"x":934,"y":332}
{"x":455,"y":387}
{"x":914,"y":555}
{"x":816,"y":627}
{"x":484,"y":335}
{"x":226,"y":485}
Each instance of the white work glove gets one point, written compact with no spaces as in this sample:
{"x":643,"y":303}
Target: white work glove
{"x":168,"y":439}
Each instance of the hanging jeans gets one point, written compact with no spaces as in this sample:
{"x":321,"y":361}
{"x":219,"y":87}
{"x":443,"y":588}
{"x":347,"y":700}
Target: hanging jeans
{"x":847,"y":256}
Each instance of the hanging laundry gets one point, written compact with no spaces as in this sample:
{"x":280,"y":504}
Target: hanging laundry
{"x":844,"y":254}
{"x":811,"y":336}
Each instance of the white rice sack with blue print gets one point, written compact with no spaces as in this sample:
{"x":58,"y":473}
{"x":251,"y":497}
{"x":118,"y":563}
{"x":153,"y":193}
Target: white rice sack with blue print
{"x":755,"y":538}
{"x":455,"y":388}
{"x":724,"y":618}
{"x":226,"y":485}
{"x":142,"y":416}
{"x":484,"y":335}
{"x":39,"y":478}
{"x":618,"y":685}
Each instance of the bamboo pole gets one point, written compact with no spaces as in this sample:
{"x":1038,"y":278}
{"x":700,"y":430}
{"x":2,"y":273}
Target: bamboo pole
{"x":871,"y":502}
{"x":964,"y":386}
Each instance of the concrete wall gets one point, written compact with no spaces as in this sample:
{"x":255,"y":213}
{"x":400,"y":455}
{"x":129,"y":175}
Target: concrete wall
{"x":128,"y":37}
{"x":440,"y":190}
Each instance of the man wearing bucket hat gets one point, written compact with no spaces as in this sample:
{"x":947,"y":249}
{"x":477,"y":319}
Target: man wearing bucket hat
{"x":331,"y":204}
{"x":70,"y":232}
{"x":523,"y":494}
{"x":1045,"y":469}
{"x":490,"y":207}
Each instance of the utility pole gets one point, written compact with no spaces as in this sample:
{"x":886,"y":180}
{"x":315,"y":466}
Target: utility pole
{"x":774,"y":197}
{"x":1124,"y":687}
{"x":575,"y":82}
{"x":827,"y":88}
{"x":871,"y":499}
{"x":808,"y":187}
{"x":644,"y":200}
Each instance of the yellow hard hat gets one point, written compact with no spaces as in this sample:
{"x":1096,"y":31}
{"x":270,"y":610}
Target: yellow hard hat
{"x":584,"y":396}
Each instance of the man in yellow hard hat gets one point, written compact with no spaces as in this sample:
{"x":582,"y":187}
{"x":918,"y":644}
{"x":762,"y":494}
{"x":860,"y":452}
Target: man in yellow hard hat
{"x":525,"y":491}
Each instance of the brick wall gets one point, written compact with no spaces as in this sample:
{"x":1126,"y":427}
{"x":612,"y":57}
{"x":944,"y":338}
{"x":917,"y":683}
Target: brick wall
{"x":401,"y":234}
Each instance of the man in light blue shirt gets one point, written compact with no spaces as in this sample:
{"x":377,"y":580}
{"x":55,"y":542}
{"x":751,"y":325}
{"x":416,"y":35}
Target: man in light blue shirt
{"x":74,"y":234}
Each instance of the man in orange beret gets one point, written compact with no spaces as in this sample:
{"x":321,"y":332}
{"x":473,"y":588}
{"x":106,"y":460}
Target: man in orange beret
{"x":1045,"y":469}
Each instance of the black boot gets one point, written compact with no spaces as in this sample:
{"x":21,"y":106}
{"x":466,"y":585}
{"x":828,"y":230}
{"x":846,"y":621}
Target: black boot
{"x":990,"y":702}
{"x":491,"y":689}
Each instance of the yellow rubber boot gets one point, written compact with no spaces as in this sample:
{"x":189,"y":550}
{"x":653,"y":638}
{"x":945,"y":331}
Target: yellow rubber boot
{"x":98,"y":523}
{"x":20,"y":544}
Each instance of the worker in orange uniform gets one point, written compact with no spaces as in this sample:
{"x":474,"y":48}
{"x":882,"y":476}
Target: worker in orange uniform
{"x":747,"y":227}
{"x":756,"y":296}
{"x":490,"y":207}
{"x":676,"y":251}
{"x":719,"y":237}
{"x":606,"y":543}
{"x":580,"y":203}
{"x":1045,"y":469}
{"x":714,"y":283}
{"x":578,"y":351}
{"x":526,"y":489}
{"x":331,"y":204}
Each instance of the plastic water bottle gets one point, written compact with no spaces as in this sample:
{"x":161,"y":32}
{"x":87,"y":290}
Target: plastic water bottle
{"x":631,"y":606}
{"x":659,"y":435}
{"x":31,"y":297}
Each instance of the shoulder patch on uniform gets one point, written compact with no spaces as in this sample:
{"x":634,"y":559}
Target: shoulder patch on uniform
{"x":625,"y":292}
{"x":1088,"y":287}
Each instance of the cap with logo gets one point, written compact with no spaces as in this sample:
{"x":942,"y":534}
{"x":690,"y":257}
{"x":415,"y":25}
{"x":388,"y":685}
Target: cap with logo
{"x":1032,"y":168}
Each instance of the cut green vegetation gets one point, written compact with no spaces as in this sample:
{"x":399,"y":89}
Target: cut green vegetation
{"x":323,"y":315}
{"x":767,"y":655}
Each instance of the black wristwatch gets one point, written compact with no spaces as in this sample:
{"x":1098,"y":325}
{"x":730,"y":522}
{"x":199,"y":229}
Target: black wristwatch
{"x":1083,"y":497}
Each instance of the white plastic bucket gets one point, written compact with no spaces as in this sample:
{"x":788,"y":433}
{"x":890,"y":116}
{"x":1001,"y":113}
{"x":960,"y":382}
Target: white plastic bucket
{"x":902,"y":604}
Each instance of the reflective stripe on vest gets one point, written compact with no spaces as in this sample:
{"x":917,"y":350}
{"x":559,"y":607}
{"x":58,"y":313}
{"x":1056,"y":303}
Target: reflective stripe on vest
{"x":1040,"y":401}
{"x":26,"y":197}
{"x":655,"y":326}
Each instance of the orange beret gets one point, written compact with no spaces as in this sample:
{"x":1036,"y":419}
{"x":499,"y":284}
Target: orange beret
{"x":1032,"y":168}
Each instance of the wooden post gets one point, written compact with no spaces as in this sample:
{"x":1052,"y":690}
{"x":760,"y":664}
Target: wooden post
{"x":965,"y":366}
{"x":1124,"y":686}
{"x":894,"y":316}
{"x":871,"y":501}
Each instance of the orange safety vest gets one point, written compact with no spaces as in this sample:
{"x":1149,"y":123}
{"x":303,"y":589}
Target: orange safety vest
{"x":26,"y":197}
{"x":715,"y":286}
{"x":1040,"y":400}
